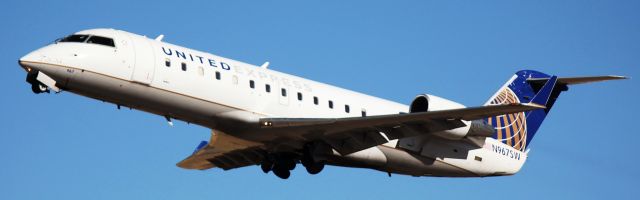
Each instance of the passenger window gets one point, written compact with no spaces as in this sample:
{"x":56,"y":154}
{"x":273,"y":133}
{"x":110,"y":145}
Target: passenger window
{"x":267,"y":88}
{"x":346,"y":108}
{"x":252,"y":84}
{"x":184,"y":67}
{"x":218,"y":75}
{"x":283,"y":92}
{"x":315,"y":100}
{"x":101,"y":40}
{"x":167,"y":62}
{"x":330,"y":104}
{"x":299,"y":96}
{"x":364,"y":112}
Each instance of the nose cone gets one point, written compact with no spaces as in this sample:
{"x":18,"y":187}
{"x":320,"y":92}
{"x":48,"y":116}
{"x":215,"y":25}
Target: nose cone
{"x":29,"y":59}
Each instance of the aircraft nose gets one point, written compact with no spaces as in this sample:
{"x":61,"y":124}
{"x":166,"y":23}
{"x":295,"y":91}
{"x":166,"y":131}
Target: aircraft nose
{"x":30,"y":60}
{"x":30,"y":57}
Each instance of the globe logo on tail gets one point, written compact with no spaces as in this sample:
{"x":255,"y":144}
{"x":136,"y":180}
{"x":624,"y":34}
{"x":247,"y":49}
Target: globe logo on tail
{"x":511,"y":129}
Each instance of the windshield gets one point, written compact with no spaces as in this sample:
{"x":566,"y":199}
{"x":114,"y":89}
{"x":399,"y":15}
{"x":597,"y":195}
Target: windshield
{"x":91,"y":39}
{"x":75,"y":38}
{"x":101,"y":40}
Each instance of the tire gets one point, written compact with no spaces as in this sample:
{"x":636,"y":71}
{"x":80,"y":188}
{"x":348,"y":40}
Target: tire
{"x":266,"y":166}
{"x":315,"y":168}
{"x":281,"y":173}
{"x":39,"y":88}
{"x":306,"y":161}
{"x":35,"y":89}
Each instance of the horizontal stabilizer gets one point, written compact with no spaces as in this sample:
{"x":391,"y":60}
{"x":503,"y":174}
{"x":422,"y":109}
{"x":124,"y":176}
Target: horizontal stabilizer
{"x":578,"y":80}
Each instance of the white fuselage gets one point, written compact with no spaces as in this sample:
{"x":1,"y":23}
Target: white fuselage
{"x":224,"y":94}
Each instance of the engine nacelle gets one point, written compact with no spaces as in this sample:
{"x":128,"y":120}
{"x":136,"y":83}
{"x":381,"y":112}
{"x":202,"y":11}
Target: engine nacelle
{"x":428,"y":103}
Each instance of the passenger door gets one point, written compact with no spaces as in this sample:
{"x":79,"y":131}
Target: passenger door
{"x":144,"y":60}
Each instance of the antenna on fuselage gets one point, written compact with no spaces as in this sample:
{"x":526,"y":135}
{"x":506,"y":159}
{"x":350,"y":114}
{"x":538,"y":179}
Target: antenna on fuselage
{"x":265,"y":65}
{"x":166,"y":117}
{"x":159,"y":38}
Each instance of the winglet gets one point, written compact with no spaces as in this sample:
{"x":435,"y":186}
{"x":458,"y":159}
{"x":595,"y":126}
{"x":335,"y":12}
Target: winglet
{"x":200,"y":146}
{"x":545,"y":92}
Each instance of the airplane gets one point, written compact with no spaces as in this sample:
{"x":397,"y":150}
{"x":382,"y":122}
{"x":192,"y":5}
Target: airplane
{"x":262,"y":117}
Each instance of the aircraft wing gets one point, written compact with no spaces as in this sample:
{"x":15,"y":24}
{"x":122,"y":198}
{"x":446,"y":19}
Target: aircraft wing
{"x":345,"y":135}
{"x":352,"y":134}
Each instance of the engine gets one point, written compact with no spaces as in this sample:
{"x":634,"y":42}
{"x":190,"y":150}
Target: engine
{"x":429,"y":103}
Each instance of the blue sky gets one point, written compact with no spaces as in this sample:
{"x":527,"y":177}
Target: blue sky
{"x":70,"y":147}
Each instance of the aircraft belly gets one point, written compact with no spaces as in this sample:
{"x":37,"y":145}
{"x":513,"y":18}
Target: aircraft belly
{"x":399,"y":161}
{"x":367,"y":158}
{"x":404,"y":162}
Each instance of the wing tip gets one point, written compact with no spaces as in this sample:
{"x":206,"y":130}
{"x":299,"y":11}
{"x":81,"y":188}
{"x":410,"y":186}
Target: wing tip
{"x":533,"y":105}
{"x":616,"y":77}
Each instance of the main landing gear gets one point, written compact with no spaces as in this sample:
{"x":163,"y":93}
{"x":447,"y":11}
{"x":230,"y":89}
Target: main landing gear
{"x":312,"y":165}
{"x":282,"y":163}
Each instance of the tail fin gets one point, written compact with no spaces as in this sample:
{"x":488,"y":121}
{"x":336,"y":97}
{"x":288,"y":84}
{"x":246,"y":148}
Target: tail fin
{"x":528,"y":86}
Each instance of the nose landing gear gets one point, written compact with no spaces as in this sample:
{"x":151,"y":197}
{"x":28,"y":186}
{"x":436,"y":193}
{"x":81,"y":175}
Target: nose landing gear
{"x":36,"y":86}
{"x":40,"y":82}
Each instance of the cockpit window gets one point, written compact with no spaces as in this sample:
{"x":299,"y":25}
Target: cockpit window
{"x":101,"y":40}
{"x":75,"y":38}
{"x":91,"y":39}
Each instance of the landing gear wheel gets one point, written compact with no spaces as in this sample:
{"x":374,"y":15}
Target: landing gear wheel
{"x":36,"y":86}
{"x":266,"y":166}
{"x":39,"y":88}
{"x":282,"y":173}
{"x":315,"y":168}
{"x":308,"y":162}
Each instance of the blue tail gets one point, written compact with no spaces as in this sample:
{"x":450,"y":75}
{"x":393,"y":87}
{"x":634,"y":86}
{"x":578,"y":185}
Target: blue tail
{"x":517,"y":130}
